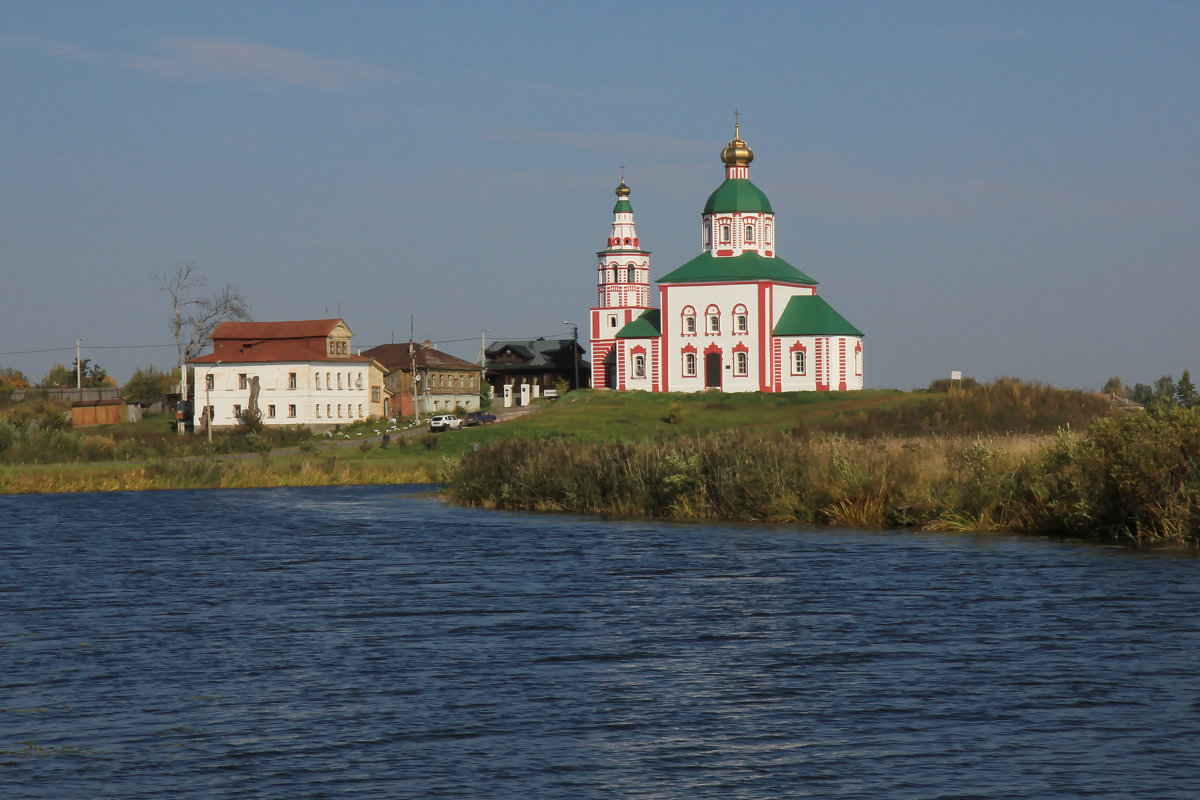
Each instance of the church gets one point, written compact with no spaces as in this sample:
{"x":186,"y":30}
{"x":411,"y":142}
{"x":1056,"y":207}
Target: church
{"x":736,"y":318}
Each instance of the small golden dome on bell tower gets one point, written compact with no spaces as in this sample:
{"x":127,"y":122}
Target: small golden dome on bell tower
{"x":623,"y":190}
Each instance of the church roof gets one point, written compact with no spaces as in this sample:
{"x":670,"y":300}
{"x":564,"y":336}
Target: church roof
{"x":737,"y":194}
{"x":749,"y":266}
{"x":647,"y":326}
{"x":810,"y":315}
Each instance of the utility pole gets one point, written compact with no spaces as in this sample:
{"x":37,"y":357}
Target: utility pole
{"x":483,"y":362}
{"x":79,"y":369}
{"x":575,"y":351}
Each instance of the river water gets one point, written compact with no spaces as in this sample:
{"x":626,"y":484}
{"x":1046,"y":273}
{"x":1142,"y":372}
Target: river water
{"x":372,"y":642}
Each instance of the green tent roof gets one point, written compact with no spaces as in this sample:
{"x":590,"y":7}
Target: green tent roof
{"x":749,"y":266}
{"x":623,"y":207}
{"x":737,"y":194}
{"x":810,"y":315}
{"x":647,"y":326}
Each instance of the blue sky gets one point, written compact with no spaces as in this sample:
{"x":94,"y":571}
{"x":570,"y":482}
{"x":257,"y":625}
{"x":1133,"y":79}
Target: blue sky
{"x":998,"y":188}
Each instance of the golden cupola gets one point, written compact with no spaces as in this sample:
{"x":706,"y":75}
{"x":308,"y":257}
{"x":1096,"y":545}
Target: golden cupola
{"x":737,"y":153}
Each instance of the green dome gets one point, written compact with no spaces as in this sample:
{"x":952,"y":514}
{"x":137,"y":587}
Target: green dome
{"x":737,"y":194}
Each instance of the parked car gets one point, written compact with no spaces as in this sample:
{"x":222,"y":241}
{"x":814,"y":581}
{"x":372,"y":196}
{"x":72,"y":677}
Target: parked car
{"x":444,"y":422}
{"x":480,"y":418}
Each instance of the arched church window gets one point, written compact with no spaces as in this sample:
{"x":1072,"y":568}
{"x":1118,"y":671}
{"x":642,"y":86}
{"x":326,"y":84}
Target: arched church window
{"x":741,"y":363}
{"x":749,"y":233}
{"x":740,"y":319}
{"x":713,"y":314}
{"x":639,"y":366}
{"x":708,"y":233}
{"x":689,"y":321}
{"x":724,"y":233}
{"x":626,"y":240}
{"x":631,"y":273}
{"x":689,"y":365}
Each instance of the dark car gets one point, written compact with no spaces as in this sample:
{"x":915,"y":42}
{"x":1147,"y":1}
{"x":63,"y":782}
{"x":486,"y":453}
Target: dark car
{"x":480,"y":418}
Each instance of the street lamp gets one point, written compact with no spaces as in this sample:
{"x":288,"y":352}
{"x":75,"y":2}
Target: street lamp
{"x":207,"y":399}
{"x":575,"y":351}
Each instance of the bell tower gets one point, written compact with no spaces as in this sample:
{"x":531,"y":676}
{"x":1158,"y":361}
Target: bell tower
{"x":622,"y":287}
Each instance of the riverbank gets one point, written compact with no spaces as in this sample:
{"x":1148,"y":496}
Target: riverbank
{"x":212,"y":473}
{"x":1127,"y":477}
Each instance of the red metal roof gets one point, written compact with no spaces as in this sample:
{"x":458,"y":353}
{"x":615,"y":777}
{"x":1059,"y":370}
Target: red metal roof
{"x":264,"y":342}
{"x":291,"y":329}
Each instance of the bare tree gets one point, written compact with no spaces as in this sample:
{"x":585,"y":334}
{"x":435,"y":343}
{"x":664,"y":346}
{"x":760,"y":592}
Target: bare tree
{"x":195,"y":316}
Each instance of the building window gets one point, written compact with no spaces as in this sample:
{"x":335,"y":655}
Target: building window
{"x":328,"y":381}
{"x":210,"y":413}
{"x":329,"y":410}
{"x":708,"y":233}
{"x":631,"y":273}
{"x":768,"y":234}
{"x":360,"y":411}
{"x":858,"y":361}
{"x":713,"y":314}
{"x":750,"y":233}
{"x":799,"y":362}
{"x":292,"y":410}
{"x":291,"y":380}
{"x":237,"y":411}
{"x":724,"y":234}
{"x":739,"y":323}
{"x":317,"y":378}
{"x":358,"y":381}
{"x":241,"y":380}
{"x":374,"y":394}
{"x":318,"y":412}
{"x":689,"y":365}
{"x":339,"y":380}
{"x":339,"y":410}
{"x":639,"y":366}
{"x":270,"y":412}
{"x":208,"y":382}
{"x":689,"y":321}
{"x":741,"y":363}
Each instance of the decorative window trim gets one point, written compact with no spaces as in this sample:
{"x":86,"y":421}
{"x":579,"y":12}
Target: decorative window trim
{"x":801,"y":360}
{"x":687,"y":325}
{"x":712,"y":320}
{"x":858,"y":359}
{"x":741,"y":315}
{"x":638,"y":366}
{"x":687,"y":353}
{"x":741,"y":363}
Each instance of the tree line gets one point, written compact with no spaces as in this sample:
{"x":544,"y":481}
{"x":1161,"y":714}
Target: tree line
{"x":1165,"y":392}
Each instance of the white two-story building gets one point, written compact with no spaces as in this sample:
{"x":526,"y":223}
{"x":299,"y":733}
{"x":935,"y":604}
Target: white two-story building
{"x":300,"y":372}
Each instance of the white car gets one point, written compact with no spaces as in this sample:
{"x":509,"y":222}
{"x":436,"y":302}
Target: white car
{"x":444,"y":422}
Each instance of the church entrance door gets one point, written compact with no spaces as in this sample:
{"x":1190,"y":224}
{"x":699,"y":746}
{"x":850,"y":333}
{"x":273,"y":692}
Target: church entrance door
{"x":712,"y":370}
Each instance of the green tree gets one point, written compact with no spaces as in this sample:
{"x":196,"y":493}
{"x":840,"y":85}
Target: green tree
{"x":147,"y":385}
{"x":1141,"y":393}
{"x":83,"y":372}
{"x":1164,"y":392}
{"x":1185,"y":392}
{"x":1114,"y":386}
{"x":59,"y":376}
